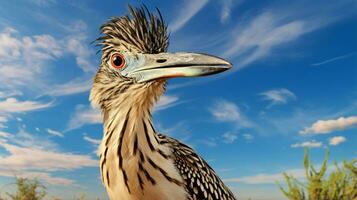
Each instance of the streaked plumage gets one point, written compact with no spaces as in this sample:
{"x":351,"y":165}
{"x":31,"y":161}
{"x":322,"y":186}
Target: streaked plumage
{"x":136,"y":162}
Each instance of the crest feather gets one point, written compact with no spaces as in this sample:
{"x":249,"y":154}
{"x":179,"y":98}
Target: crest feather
{"x":141,"y":30}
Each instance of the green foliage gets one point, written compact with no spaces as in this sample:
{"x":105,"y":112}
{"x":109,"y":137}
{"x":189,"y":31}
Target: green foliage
{"x":341,"y":184}
{"x":32,"y":189}
{"x":28,"y":190}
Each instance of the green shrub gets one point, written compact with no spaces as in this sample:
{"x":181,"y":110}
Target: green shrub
{"x":27,"y":189}
{"x":341,"y":184}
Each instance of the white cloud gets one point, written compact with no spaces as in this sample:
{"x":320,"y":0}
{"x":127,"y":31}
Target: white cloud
{"x":72,"y":87}
{"x":166,"y":101}
{"x":76,"y":45}
{"x":267,"y":178}
{"x":23,"y":60}
{"x":10,"y":47}
{"x":54,"y":133}
{"x":260,"y":35}
{"x":13,"y":75}
{"x":82,"y":53}
{"x":226,"y":10}
{"x":84,"y":115}
{"x":25,"y":139}
{"x":334,"y":59}
{"x":190,"y":9}
{"x":4,"y":134}
{"x":33,"y":156}
{"x":248,"y":136}
{"x":272,"y":178}
{"x":3,"y":119}
{"x":6,"y":94}
{"x":24,"y":158}
{"x":337,"y":140}
{"x":229,"y":137}
{"x":257,"y":37}
{"x":211,"y":142}
{"x":40,"y":52}
{"x":92,"y":140}
{"x":45,"y":176}
{"x":327,"y":126}
{"x":227,"y":111}
{"x":12,"y":105}
{"x":43,"y":2}
{"x":278,"y":96}
{"x":40,"y":48}
{"x":309,"y":144}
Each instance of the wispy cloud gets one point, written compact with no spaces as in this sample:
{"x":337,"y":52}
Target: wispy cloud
{"x":3,"y":119}
{"x":211,"y":142}
{"x":9,"y":45}
{"x":43,"y":3}
{"x":309,"y":144}
{"x":17,"y":51}
{"x":92,"y":140}
{"x":166,"y":101}
{"x":334,"y":141}
{"x":54,"y":133}
{"x":327,"y":126}
{"x":84,"y":115}
{"x":4,"y":134}
{"x":12,"y":105}
{"x":294,"y":121}
{"x":190,"y":9}
{"x":30,"y":140}
{"x":256,"y":39}
{"x":40,"y":53}
{"x":75,"y":86}
{"x":76,"y":45}
{"x":35,"y":157}
{"x":7,"y":94}
{"x":335,"y":59}
{"x":248,"y":136}
{"x":278,"y":96}
{"x":229,"y":137}
{"x":264,"y":178}
{"x":261,"y":35}
{"x":28,"y":160}
{"x":226,"y":10}
{"x":226,"y":111}
{"x":273,"y":178}
{"x":44,"y":176}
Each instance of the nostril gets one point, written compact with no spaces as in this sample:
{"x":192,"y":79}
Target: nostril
{"x":161,"y":60}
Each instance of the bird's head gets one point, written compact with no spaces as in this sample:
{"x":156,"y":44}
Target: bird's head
{"x":135,"y":60}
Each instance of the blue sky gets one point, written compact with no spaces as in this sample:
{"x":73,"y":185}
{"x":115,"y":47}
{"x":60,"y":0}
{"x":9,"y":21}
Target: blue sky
{"x":293,"y":85}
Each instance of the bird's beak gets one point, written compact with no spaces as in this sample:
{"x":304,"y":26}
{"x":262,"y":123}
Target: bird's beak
{"x":168,"y":65}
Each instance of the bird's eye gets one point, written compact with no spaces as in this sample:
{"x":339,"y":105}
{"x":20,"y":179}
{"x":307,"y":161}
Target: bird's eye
{"x":117,"y":61}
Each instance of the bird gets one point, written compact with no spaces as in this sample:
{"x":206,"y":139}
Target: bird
{"x":136,"y":162}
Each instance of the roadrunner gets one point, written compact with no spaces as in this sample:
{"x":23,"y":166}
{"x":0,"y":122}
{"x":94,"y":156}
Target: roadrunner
{"x":136,"y":162}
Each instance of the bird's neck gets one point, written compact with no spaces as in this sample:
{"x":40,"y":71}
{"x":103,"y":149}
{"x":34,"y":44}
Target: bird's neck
{"x":128,"y":127}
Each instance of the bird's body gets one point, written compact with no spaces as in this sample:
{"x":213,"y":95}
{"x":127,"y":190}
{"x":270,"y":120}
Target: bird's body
{"x":136,"y":162}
